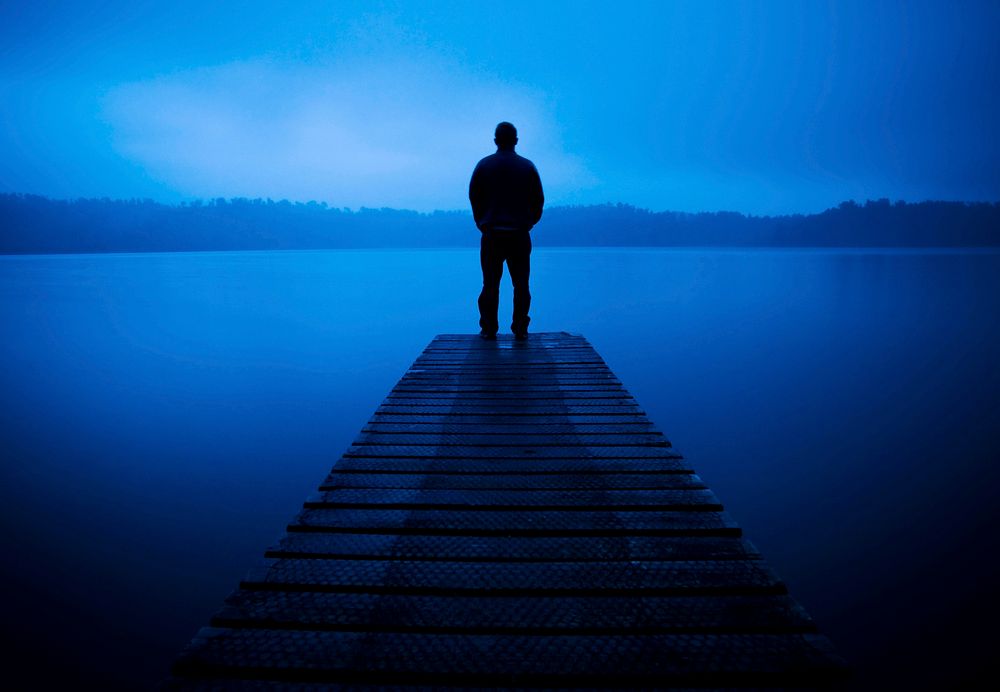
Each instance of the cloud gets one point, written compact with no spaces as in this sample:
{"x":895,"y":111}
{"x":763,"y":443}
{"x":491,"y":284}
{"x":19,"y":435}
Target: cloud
{"x":401,"y":131}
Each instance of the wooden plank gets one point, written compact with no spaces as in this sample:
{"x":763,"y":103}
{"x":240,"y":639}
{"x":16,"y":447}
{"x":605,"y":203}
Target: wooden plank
{"x":507,"y":350}
{"x":521,"y":660}
{"x":512,"y":418}
{"x":533,"y":482}
{"x":534,"y":410}
{"x":508,"y":347}
{"x":524,"y":400}
{"x":525,"y":405}
{"x":230,"y":684}
{"x":671,"y":577}
{"x":540,"y":368}
{"x":540,"y":373}
{"x":503,"y":336}
{"x":549,"y":614}
{"x":555,"y":355}
{"x":606,"y":500}
{"x":519,"y":452}
{"x":424,"y":427}
{"x":511,"y":391}
{"x":551,"y":376}
{"x":518,"y":522}
{"x":602,"y":397}
{"x":543,"y":439}
{"x":460,"y":387}
{"x":505,"y":340}
{"x":515,"y":364}
{"x":433,"y":465}
{"x":514,"y":382}
{"x":472,"y":548}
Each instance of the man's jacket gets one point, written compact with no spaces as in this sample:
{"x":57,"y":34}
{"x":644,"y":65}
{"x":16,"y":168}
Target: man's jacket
{"x":506,"y":193}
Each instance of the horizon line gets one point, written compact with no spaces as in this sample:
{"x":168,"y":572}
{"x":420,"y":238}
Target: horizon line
{"x":354,"y":210}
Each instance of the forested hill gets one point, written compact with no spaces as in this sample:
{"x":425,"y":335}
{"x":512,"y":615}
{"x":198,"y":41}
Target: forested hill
{"x":33,"y":224}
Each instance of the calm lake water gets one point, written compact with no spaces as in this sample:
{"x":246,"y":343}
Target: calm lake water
{"x":165,"y":415}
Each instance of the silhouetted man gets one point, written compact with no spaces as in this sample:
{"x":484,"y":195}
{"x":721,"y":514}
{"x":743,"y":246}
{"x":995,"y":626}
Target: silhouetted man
{"x":507,"y":200}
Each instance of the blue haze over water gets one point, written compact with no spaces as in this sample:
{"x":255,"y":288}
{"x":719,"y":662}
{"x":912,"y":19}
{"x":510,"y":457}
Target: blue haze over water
{"x":164,"y":416}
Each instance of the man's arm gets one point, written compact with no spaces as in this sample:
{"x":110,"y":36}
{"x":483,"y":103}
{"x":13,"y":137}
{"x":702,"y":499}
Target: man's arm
{"x":537,"y":196}
{"x":476,"y":196}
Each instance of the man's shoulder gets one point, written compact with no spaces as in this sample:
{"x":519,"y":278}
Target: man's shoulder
{"x":485,"y":164}
{"x":524,"y":163}
{"x":505,"y":160}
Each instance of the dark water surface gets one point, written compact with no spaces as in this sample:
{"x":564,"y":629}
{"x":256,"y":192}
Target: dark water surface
{"x":164,"y":416}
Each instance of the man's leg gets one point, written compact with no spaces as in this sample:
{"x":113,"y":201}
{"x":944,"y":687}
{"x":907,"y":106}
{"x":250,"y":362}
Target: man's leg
{"x":491,"y":262}
{"x":519,"y":266}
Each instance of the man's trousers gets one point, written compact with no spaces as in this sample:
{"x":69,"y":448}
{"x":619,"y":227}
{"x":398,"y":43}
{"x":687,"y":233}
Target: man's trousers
{"x":495,"y":248}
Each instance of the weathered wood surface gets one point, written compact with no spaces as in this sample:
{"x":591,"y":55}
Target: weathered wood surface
{"x":510,"y":518}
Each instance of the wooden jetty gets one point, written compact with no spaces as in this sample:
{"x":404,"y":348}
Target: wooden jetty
{"x":510,"y":518}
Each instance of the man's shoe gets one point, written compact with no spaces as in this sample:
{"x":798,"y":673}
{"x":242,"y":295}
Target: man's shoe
{"x":489,"y":336}
{"x":521,"y":335}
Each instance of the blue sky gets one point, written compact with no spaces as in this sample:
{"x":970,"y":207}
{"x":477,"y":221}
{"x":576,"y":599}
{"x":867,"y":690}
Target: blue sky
{"x":768,"y":107}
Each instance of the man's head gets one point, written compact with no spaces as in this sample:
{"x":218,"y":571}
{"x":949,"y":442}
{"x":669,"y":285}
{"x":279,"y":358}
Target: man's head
{"x":505,"y":136}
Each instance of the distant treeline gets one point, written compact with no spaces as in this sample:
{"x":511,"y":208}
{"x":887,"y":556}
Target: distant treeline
{"x":34,"y":224}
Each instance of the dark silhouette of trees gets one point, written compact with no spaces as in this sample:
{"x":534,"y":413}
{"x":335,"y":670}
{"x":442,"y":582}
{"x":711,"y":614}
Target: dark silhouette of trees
{"x":34,"y":224}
